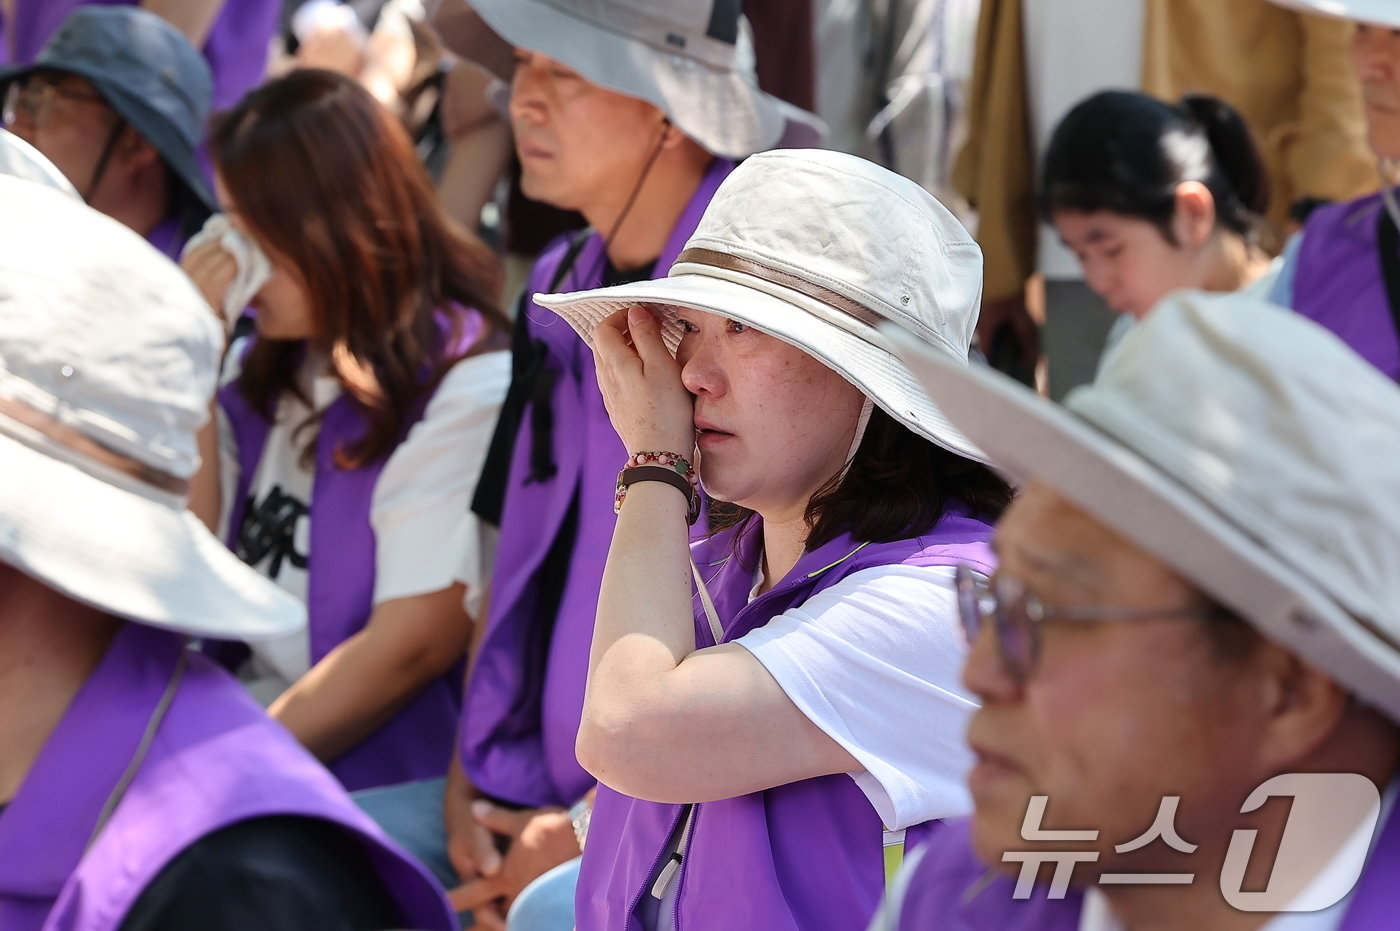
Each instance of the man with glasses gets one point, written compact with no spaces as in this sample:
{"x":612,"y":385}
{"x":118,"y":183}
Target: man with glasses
{"x":1189,"y":657}
{"x":118,"y":101}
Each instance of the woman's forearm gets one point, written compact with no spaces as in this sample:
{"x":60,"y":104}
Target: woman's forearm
{"x":192,"y":17}
{"x":357,"y":687}
{"x":644,"y":625}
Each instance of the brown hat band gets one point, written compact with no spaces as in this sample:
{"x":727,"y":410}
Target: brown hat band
{"x":76,"y":441}
{"x":833,"y":299}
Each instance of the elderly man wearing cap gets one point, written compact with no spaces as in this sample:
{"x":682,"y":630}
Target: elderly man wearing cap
{"x":118,"y":100}
{"x":139,"y":786}
{"x":1195,"y":611}
{"x":1343,"y":269}
{"x":630,"y":112}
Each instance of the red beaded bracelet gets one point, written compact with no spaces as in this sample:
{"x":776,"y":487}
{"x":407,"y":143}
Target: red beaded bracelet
{"x":670,"y":468}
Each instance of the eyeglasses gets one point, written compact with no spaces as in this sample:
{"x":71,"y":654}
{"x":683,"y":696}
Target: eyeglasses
{"x":1017,"y":617}
{"x":34,"y":99}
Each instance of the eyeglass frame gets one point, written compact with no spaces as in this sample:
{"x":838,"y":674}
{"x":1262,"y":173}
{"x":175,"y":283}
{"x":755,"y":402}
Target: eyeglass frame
{"x":979,"y":600}
{"x":17,"y":99}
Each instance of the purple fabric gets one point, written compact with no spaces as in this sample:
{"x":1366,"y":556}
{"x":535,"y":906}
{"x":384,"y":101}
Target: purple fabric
{"x":167,"y":240}
{"x":416,"y":743}
{"x":216,"y":759}
{"x":517,"y":742}
{"x":1338,"y":281}
{"x":808,"y":855}
{"x":948,"y":869}
{"x":236,"y":48}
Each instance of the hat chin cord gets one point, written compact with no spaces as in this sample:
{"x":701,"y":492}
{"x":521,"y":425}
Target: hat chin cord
{"x":103,"y":160}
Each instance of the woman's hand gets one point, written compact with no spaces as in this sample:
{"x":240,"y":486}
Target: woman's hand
{"x":641,"y":384}
{"x":212,"y":270}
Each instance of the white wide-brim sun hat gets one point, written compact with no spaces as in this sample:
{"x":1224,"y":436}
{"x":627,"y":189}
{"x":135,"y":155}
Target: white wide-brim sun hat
{"x":1373,"y":12}
{"x":692,"y":59}
{"x":1245,"y":447}
{"x":821,"y":249}
{"x":108,"y":360}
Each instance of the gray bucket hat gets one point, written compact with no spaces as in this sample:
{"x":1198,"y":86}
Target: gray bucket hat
{"x":1243,"y":446}
{"x":692,"y":59}
{"x":147,"y":71}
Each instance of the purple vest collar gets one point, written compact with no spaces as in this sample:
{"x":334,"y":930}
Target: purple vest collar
{"x":1338,"y":282}
{"x":215,"y":759}
{"x":798,"y":856}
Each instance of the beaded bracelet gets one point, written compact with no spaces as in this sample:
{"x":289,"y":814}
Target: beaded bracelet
{"x":670,"y":468}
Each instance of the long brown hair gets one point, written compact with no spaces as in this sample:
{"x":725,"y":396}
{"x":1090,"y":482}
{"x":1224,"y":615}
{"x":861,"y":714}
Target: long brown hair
{"x":327,"y":177}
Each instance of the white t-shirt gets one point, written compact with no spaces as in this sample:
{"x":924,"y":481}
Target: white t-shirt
{"x":875,"y":661}
{"x":419,"y":511}
{"x":1074,"y":48}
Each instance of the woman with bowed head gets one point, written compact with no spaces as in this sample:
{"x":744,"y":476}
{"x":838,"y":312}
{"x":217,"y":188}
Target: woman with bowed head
{"x":353,"y":420}
{"x":1153,"y":197}
{"x":754,"y":741}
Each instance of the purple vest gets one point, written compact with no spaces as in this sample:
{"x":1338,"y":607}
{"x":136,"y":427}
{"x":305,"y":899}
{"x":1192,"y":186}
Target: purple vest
{"x":948,"y":869}
{"x":216,"y":759}
{"x":1338,"y":281}
{"x":807,"y":855}
{"x":518,"y":728}
{"x":236,"y":48}
{"x":416,"y":743}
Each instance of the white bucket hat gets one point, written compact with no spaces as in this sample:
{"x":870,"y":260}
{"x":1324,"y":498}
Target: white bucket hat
{"x":819,"y":249}
{"x":1245,"y":447}
{"x":692,"y":59}
{"x":108,"y":360}
{"x":1375,"y":12}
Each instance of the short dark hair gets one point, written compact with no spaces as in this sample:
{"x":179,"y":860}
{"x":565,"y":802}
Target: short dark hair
{"x":899,"y":485}
{"x":1126,"y":152}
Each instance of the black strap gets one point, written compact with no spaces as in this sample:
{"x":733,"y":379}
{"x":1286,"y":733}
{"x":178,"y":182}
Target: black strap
{"x":1389,"y":241}
{"x":531,"y":383}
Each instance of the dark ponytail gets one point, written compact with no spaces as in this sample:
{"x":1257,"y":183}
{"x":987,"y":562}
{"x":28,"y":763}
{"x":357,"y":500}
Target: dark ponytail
{"x":1126,"y":152}
{"x":1237,"y":157}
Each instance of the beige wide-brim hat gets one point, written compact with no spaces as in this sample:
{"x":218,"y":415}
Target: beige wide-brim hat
{"x":1242,"y":445}
{"x":819,"y":249}
{"x":1373,"y":12}
{"x":108,"y":361}
{"x":692,"y":59}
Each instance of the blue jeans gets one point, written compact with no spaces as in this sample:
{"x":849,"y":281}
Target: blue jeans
{"x":547,"y":904}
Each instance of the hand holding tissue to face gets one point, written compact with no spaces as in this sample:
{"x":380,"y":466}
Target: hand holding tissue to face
{"x":228,"y":268}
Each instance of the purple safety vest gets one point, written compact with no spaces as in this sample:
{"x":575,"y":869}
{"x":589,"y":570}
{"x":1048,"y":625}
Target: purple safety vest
{"x":518,"y":727}
{"x":236,"y":48}
{"x":937,"y":895}
{"x":216,"y":759}
{"x":416,"y":743}
{"x":1338,"y":282}
{"x":808,"y":855}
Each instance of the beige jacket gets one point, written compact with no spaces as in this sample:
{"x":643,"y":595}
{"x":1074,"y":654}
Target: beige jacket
{"x":1288,"y":73}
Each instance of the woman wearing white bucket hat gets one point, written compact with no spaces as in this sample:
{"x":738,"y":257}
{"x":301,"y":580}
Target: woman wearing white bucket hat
{"x":1343,"y":269}
{"x":139,"y":786}
{"x":630,"y":112}
{"x":1195,"y":610}
{"x":762,"y":731}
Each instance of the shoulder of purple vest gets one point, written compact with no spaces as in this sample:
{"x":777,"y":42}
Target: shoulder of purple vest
{"x":217,"y":760}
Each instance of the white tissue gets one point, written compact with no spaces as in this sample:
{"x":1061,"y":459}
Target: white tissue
{"x":254,"y":269}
